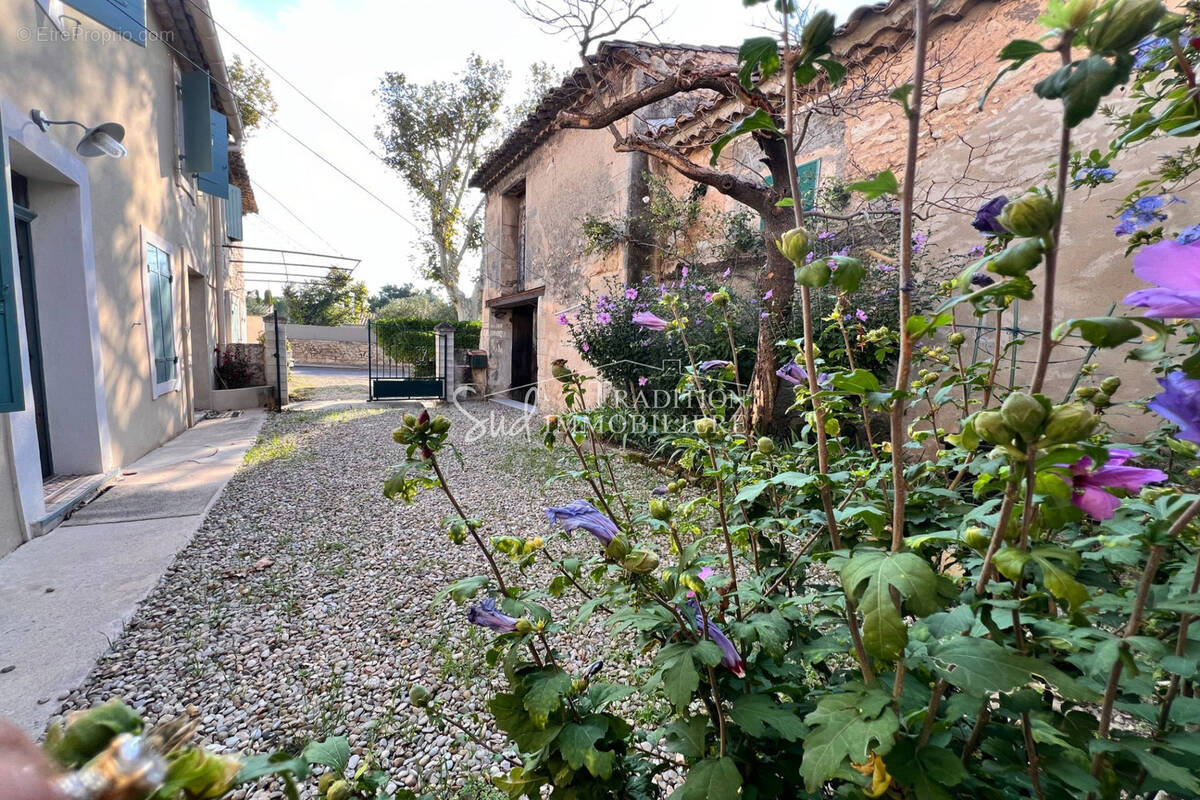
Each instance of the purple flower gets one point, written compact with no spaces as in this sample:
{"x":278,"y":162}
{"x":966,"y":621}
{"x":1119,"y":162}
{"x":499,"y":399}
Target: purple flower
{"x":585,"y":347}
{"x":919,"y":241}
{"x":979,"y":279}
{"x":987,"y":218}
{"x":715,"y":363}
{"x":486,"y":615}
{"x":604,"y":318}
{"x":582,"y":514}
{"x":1175,"y":268}
{"x":1091,"y":486}
{"x":826,"y":235}
{"x":631,"y":294}
{"x":659,"y":491}
{"x":770,"y":293}
{"x":1179,"y":402}
{"x":562,"y":319}
{"x":1189,"y":235}
{"x":764,"y":314}
{"x":708,"y":297}
{"x":729,"y":654}
{"x":728,"y":271}
{"x":796,"y":375}
{"x":643,"y":380}
{"x":649,"y":321}
{"x":860,"y":314}
{"x":683,"y":273}
{"x":1144,"y":212}
{"x":1099,"y":174}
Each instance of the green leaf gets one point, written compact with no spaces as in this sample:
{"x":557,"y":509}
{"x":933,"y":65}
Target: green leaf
{"x":88,"y":735}
{"x":978,"y":666}
{"x":1021,"y":50}
{"x":512,"y":718}
{"x":815,"y":274}
{"x":1100,"y":331}
{"x":578,"y":739}
{"x":870,"y":576}
{"x":679,"y":676}
{"x":712,"y":779}
{"x":759,"y":53}
{"x":198,"y":774}
{"x":846,"y":726}
{"x":544,"y":690}
{"x":517,"y":784}
{"x":881,"y":184}
{"x":687,"y":736}
{"x":860,"y":382}
{"x":334,"y":752}
{"x":1058,"y":581}
{"x":835,"y":70}
{"x":278,"y":763}
{"x":755,"y":713}
{"x":758,"y":121}
{"x":848,"y":273}
{"x":1081,"y":85}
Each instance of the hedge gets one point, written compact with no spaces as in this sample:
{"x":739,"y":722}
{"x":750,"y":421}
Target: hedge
{"x":411,"y":339}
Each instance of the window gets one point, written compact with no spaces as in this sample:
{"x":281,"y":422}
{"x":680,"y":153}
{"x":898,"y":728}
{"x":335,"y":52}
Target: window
{"x":160,"y":313}
{"x":127,"y":17}
{"x":514,"y":256}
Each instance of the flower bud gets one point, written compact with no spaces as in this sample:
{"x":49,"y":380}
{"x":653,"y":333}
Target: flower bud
{"x":327,"y":780}
{"x":1069,"y":422}
{"x":720,"y":298}
{"x":423,"y":418}
{"x":976,"y":539}
{"x":1086,"y":392}
{"x":419,"y":696}
{"x":766,"y":445}
{"x":956,"y":339}
{"x":410,"y":420}
{"x":1125,"y":24}
{"x":579,"y":685}
{"x":524,"y":625}
{"x":552,"y":422}
{"x":338,"y":791}
{"x":659,"y":510}
{"x":439,"y":424}
{"x":1101,"y":400}
{"x":1024,"y":415}
{"x":618,"y":548}
{"x":1032,"y":214}
{"x":705,"y":427}
{"x":1110,"y":385}
{"x":1015,"y":261}
{"x":992,"y":429}
{"x":794,"y":245}
{"x":1078,"y":12}
{"x":640,"y":562}
{"x":457,"y":532}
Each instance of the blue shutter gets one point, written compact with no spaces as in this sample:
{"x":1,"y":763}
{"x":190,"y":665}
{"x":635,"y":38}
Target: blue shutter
{"x":12,"y":388}
{"x":233,"y":214}
{"x":162,"y":317}
{"x":123,"y":16}
{"x":197,"y":122}
{"x":807,"y":175}
{"x":216,"y":180}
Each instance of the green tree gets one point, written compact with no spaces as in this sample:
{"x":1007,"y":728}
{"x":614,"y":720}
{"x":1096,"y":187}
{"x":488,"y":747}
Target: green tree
{"x":435,"y":135}
{"x":390,"y":292}
{"x":252,"y":88}
{"x":337,"y":299}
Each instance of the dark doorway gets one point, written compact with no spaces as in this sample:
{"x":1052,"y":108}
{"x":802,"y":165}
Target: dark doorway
{"x":23,"y":217}
{"x":524,"y":354}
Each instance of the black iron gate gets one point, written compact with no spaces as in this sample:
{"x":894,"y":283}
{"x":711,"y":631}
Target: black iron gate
{"x":405,"y":362}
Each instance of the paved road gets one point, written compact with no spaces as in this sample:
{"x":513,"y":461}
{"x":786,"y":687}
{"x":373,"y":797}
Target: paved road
{"x":347,"y":373}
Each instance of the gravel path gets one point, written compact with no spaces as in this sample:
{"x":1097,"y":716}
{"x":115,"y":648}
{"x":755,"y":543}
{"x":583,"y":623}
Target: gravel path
{"x":304,"y":605}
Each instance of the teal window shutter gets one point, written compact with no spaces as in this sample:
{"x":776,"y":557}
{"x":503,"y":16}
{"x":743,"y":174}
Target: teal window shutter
{"x":197,"y":122}
{"x":807,"y":176}
{"x":162,"y":316}
{"x":233,"y":214}
{"x":126,"y":17}
{"x":12,"y":387}
{"x":215,"y":181}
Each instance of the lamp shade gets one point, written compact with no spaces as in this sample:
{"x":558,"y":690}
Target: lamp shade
{"x":103,"y":140}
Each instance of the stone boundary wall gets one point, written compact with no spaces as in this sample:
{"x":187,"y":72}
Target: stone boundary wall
{"x":254,"y":355}
{"x":338,"y":346}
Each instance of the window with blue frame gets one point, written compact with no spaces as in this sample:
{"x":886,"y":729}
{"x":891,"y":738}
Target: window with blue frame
{"x":160,"y":315}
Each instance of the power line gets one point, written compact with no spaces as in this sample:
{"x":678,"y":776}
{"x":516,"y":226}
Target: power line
{"x":258,"y":185}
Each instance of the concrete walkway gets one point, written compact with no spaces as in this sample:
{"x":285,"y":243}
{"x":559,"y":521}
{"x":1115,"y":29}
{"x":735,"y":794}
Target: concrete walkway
{"x":65,"y":596}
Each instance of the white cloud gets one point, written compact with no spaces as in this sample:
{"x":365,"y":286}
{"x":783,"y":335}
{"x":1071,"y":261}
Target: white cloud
{"x":336,"y":51}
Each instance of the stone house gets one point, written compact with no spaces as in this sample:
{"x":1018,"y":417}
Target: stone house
{"x":976,"y":154}
{"x":117,"y":249}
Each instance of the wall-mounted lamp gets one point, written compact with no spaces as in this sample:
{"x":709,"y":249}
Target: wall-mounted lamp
{"x":102,"y":140}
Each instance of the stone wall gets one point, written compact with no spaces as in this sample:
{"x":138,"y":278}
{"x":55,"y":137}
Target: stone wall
{"x":254,"y":356}
{"x":328,"y":353}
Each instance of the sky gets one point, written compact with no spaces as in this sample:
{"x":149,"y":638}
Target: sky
{"x":335,"y":52}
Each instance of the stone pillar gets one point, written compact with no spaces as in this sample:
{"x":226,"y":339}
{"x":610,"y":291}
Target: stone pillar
{"x":275,"y":354}
{"x":444,"y":358}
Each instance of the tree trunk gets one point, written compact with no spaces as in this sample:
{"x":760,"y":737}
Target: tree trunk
{"x":779,"y":281}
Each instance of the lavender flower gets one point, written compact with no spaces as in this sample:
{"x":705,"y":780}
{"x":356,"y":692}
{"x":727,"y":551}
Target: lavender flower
{"x":730,"y":658}
{"x":987,"y":218}
{"x":1179,"y":402}
{"x":715,"y":363}
{"x":649,"y":321}
{"x":631,"y":294}
{"x":486,"y":615}
{"x":582,"y":514}
{"x":604,"y":318}
{"x":797,"y":375}
{"x":562,"y":319}
{"x":1175,"y":268}
{"x":659,"y":491}
{"x":1091,"y":486}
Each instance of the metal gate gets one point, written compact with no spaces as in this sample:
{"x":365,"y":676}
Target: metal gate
{"x":405,"y":362}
